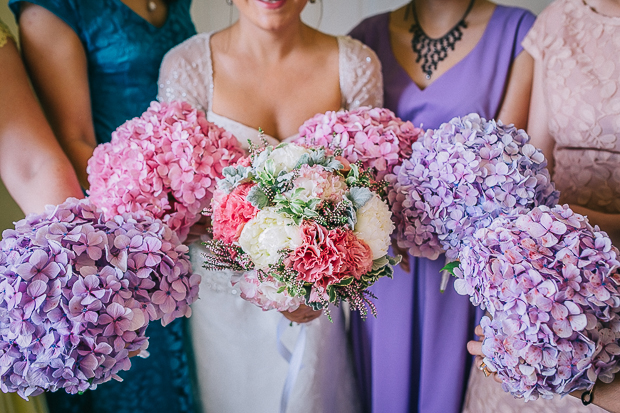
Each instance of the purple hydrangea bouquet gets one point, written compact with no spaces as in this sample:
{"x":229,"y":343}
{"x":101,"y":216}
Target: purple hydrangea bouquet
{"x":164,"y":163}
{"x":551,"y":283}
{"x":458,"y":179}
{"x":77,"y":293}
{"x":375,"y":137}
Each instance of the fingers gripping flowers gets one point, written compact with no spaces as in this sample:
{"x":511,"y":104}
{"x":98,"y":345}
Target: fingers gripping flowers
{"x":299,"y":224}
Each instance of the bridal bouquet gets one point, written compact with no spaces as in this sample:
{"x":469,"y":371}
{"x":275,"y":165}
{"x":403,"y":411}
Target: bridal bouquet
{"x":461,"y":176}
{"x":77,"y":293}
{"x":551,"y":282}
{"x":164,"y":163}
{"x":303,"y":228}
{"x":373,"y":136}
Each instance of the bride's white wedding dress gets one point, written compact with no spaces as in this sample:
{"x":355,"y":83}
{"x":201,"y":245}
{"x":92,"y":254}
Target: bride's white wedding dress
{"x":238,"y":364}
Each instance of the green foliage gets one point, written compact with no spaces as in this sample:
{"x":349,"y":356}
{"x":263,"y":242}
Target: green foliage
{"x":451,"y":266}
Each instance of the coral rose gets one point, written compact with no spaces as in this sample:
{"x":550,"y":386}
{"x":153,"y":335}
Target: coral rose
{"x":231,"y":212}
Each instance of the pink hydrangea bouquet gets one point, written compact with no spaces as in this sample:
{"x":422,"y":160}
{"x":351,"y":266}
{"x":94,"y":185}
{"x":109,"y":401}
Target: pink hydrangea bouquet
{"x":164,"y":163}
{"x":77,"y":293}
{"x":373,"y":136}
{"x":461,"y":176}
{"x":551,"y":283}
{"x":301,"y":228}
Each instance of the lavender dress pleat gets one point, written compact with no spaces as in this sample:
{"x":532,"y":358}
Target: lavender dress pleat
{"x":413,"y":356}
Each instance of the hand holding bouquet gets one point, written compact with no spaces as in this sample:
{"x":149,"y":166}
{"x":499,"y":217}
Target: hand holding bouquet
{"x":302,"y":228}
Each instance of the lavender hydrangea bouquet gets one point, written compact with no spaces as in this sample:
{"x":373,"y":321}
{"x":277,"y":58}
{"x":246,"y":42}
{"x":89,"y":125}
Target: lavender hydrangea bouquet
{"x":77,"y":293}
{"x":551,"y":283}
{"x":459,"y":178}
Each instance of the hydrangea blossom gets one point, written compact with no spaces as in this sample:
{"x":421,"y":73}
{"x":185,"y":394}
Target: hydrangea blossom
{"x":551,"y":283}
{"x":459,"y":178}
{"x":164,"y":163}
{"x":77,"y":293}
{"x":373,"y":136}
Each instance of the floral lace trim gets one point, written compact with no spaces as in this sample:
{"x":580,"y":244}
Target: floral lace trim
{"x":5,"y":34}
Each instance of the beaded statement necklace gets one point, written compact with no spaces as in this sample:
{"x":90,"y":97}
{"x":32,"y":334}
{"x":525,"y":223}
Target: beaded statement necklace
{"x":429,"y":50}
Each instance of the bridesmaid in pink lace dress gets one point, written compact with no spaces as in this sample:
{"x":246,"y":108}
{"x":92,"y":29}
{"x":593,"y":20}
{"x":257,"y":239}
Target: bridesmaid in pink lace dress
{"x":575,"y":119}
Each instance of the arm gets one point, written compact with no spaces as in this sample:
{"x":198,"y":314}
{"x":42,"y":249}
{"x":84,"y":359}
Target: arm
{"x":538,"y":119}
{"x":57,"y":63}
{"x":516,"y":102}
{"x":33,"y":166}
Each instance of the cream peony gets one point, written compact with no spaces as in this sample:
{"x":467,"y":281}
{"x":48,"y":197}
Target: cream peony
{"x":374,"y":226}
{"x":286,"y":156}
{"x":266,"y":234}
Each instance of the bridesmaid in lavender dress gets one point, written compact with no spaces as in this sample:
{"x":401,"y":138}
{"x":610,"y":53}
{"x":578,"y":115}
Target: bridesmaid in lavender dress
{"x":413,"y":356}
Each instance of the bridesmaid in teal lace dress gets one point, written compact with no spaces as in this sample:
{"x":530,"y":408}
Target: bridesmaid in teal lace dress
{"x":95,"y":64}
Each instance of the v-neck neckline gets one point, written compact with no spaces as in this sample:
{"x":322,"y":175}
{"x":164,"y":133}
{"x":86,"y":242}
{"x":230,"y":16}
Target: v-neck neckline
{"x":150,"y":25}
{"x":404,"y":73}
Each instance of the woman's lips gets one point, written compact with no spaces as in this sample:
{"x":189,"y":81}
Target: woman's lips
{"x":271,"y":4}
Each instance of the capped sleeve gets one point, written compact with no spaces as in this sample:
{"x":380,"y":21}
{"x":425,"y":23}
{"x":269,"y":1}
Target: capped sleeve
{"x":65,"y":10}
{"x":5,"y":34}
{"x":186,"y":73}
{"x":538,"y":37}
{"x":361,"y":82}
{"x":524,"y":25}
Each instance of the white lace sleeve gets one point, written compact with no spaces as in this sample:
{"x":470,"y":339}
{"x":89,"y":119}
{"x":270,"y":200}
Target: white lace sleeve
{"x":361,"y":81}
{"x":185,"y":73}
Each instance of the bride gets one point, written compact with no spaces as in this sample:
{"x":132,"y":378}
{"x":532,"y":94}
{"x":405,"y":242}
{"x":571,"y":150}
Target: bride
{"x":268,"y":70}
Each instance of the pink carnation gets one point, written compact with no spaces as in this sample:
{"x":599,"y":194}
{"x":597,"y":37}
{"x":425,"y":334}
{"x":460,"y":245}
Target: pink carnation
{"x":356,"y":254}
{"x":231,"y":212}
{"x":316,"y":182}
{"x":163,"y":163}
{"x":327,"y":257}
{"x":373,"y":136}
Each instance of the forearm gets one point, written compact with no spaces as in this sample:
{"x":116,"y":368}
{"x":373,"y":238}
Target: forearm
{"x":79,"y":152}
{"x":51,"y":183}
{"x":605,"y":395}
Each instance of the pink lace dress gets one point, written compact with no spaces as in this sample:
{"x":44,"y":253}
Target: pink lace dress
{"x":579,"y":50}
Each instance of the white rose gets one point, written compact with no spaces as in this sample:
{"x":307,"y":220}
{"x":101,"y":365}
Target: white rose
{"x":286,"y":156}
{"x":266,"y":234}
{"x":374,"y":226}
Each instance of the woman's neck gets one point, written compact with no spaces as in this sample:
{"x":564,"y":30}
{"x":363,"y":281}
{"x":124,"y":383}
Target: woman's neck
{"x":268,"y":45}
{"x":439,"y":16}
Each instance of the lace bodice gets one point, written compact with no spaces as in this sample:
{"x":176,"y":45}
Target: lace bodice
{"x":578,"y":48}
{"x":5,"y":34}
{"x":187,"y":74}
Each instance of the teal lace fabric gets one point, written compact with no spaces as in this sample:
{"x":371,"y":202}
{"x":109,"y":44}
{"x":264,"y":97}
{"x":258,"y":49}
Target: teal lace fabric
{"x":124,"y":53}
